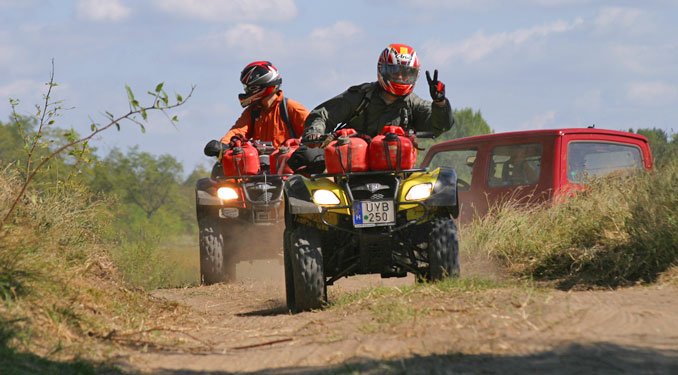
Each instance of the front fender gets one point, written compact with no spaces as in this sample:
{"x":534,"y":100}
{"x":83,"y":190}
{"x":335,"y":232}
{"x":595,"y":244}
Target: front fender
{"x":445,"y":191}
{"x":206,"y":192}
{"x":299,"y":197}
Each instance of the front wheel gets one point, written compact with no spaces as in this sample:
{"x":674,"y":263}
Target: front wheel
{"x":289,"y":272}
{"x":308,"y":278}
{"x":443,"y":249}
{"x":215,"y":264}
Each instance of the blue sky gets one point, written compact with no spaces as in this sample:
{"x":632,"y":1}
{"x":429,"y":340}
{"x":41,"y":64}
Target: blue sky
{"x":525,"y":64}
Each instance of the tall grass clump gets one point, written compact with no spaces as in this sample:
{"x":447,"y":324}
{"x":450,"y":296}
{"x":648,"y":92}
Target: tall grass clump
{"x":60,"y":293}
{"x":618,"y":231}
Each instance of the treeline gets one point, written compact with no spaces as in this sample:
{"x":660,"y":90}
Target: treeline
{"x":664,"y":145}
{"x":151,"y":192}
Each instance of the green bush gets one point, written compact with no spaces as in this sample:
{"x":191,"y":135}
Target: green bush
{"x":618,"y":231}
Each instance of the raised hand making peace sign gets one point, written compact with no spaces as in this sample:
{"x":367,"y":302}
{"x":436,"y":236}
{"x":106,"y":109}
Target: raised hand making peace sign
{"x":436,"y":88}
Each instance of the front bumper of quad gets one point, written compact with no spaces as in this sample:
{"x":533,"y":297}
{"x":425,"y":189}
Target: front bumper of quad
{"x":299,"y":191}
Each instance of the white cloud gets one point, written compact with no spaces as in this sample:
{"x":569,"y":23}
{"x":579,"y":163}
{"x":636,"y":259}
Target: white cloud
{"x":613,"y":17}
{"x":540,"y":121}
{"x":479,"y":45}
{"x":239,"y":10}
{"x":339,"y":30}
{"x":250,"y":41}
{"x":489,"y":4}
{"x":102,"y":10}
{"x":25,"y":90}
{"x":243,"y":40}
{"x":652,"y":93}
{"x":326,"y":42}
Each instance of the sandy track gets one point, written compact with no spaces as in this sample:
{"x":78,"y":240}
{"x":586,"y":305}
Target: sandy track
{"x":244,"y":327}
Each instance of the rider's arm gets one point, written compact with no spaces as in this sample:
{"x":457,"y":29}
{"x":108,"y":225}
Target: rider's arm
{"x":324,"y":117}
{"x":241,"y":127}
{"x":430,"y":116}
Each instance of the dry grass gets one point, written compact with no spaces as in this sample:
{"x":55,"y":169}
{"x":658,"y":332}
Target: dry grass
{"x":389,"y":308}
{"x":619,"y":231}
{"x":670,"y":276}
{"x":61,"y":297}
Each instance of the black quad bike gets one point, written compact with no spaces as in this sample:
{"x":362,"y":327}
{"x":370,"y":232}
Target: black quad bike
{"x":389,"y":222}
{"x":237,"y":215}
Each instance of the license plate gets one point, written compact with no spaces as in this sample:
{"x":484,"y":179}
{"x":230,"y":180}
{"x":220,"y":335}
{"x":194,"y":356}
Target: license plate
{"x":373,"y":213}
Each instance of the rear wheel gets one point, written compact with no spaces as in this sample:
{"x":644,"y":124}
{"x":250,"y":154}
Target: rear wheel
{"x":443,"y":249}
{"x":215,"y":263}
{"x":308,"y":278}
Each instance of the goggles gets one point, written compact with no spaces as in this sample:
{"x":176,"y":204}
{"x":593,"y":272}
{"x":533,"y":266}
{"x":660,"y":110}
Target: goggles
{"x":399,"y":73}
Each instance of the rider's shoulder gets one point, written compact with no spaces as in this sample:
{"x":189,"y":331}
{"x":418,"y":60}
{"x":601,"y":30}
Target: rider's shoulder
{"x":363,"y":87}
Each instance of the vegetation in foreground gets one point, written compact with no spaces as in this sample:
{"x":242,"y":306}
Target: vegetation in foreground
{"x":619,"y":231}
{"x":63,"y":305}
{"x":60,"y":294}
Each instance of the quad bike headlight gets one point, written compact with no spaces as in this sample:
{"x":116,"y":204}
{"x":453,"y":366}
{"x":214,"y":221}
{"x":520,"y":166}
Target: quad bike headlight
{"x":322,"y":196}
{"x":419,"y":192}
{"x":227,"y":193}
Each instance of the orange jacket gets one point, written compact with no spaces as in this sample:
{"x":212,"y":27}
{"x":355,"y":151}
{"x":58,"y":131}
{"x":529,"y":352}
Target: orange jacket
{"x":269,"y":126}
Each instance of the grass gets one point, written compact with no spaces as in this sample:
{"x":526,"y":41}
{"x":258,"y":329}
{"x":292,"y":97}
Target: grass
{"x":159,"y":263}
{"x":63,"y":305}
{"x":392,"y":307}
{"x":620,"y":231}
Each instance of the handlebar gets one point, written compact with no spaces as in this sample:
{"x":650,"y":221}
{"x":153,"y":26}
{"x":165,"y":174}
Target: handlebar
{"x":426,"y":134}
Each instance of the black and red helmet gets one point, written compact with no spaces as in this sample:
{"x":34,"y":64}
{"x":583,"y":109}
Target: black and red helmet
{"x":398,"y":69}
{"x":260,"y":79}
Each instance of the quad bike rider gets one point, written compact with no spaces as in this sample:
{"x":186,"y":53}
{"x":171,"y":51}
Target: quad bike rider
{"x":372,"y":212}
{"x":245,"y":188}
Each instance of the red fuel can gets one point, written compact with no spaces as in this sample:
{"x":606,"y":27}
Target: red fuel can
{"x":240,"y":160}
{"x":392,"y":150}
{"x":280,"y":156}
{"x":347,"y":153}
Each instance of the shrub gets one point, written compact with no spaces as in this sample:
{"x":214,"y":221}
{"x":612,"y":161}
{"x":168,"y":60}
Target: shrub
{"x":618,"y":231}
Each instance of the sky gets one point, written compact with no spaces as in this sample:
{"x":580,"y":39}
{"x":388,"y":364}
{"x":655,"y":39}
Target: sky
{"x":524,"y":64}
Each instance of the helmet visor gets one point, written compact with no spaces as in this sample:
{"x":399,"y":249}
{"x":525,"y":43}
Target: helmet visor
{"x":399,"y":73}
{"x":251,"y":89}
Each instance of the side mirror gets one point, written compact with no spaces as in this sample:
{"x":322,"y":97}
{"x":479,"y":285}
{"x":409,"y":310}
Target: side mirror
{"x":470,"y":160}
{"x":214,"y":148}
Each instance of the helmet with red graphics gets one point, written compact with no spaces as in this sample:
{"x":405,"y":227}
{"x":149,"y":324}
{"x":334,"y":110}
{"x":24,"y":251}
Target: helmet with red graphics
{"x":398,"y":69}
{"x":260,"y":79}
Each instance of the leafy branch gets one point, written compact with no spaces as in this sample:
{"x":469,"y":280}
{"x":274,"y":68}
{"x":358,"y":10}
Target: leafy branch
{"x":50,"y":110}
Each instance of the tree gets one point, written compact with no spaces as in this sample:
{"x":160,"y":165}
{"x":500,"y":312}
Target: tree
{"x":467,"y":123}
{"x":663,"y":145}
{"x":139,"y":178}
{"x":39,"y":150}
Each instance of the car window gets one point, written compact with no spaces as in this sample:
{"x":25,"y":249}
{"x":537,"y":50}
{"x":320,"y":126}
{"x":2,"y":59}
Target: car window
{"x":597,"y":159}
{"x":515,"y":165}
{"x":461,"y":160}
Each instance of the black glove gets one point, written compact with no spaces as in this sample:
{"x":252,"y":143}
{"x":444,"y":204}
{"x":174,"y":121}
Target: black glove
{"x":307,"y":160}
{"x":435,"y":87}
{"x":309,"y":137}
{"x":215,"y":148}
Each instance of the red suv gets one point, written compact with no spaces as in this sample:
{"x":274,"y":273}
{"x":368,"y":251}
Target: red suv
{"x":534,"y":165}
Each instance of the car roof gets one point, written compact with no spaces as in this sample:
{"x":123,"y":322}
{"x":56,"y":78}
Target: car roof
{"x":539,"y":132}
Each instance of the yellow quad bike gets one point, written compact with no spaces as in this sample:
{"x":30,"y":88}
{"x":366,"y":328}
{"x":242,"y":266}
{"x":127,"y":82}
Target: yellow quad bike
{"x":383,"y":222}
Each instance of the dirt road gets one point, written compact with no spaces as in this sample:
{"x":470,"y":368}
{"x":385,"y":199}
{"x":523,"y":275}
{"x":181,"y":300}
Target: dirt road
{"x":474,"y":327}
